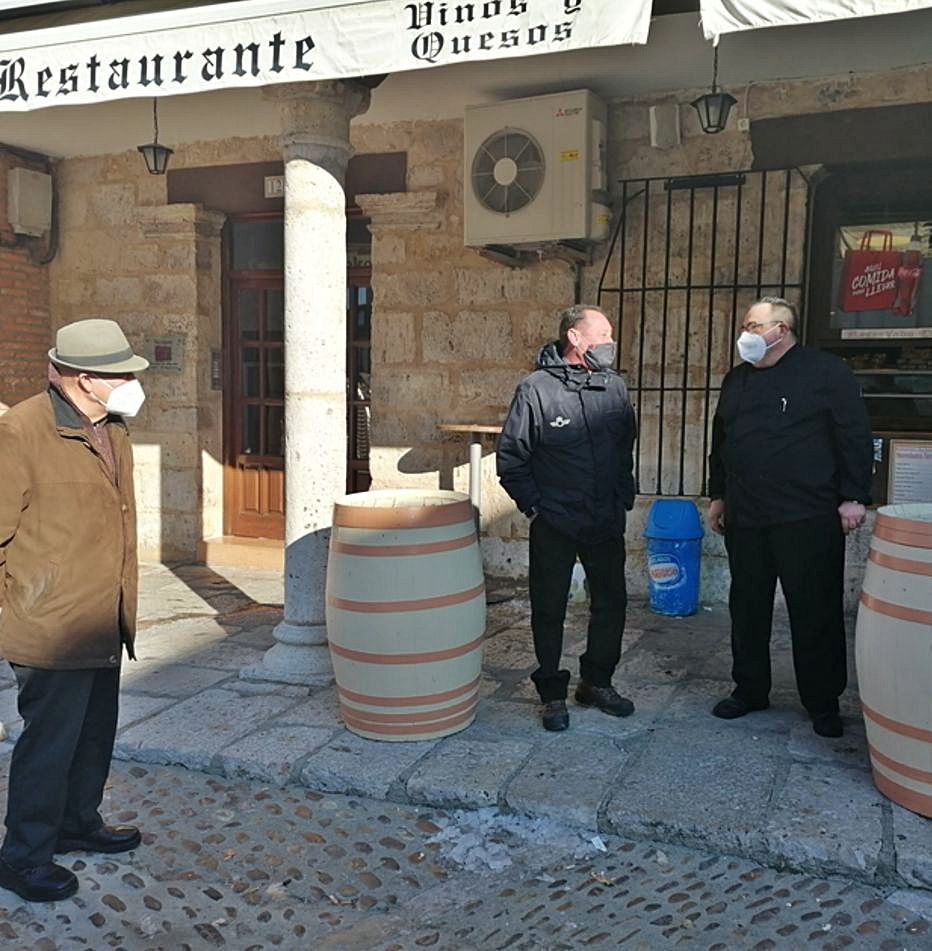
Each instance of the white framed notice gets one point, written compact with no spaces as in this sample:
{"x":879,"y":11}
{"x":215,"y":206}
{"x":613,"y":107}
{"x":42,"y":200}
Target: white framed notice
{"x":910,"y":473}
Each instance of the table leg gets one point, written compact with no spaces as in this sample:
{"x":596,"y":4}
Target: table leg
{"x":475,"y":470}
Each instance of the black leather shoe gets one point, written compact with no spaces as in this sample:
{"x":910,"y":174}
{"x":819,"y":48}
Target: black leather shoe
{"x":47,"y":882}
{"x":605,"y":699}
{"x":104,"y":839}
{"x":733,"y":707}
{"x":555,"y":718}
{"x":828,"y":724}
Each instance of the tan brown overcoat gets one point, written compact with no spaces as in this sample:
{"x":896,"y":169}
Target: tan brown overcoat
{"x":68,"y":566}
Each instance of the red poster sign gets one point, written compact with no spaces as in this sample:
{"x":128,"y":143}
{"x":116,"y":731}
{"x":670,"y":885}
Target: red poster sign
{"x":869,"y":275}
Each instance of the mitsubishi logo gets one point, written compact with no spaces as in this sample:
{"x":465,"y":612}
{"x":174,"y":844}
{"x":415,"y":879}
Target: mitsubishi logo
{"x":559,"y":422}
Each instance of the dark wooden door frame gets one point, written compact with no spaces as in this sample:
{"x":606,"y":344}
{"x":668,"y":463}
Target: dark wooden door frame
{"x":357,"y":475}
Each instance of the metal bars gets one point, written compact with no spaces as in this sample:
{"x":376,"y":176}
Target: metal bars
{"x":691,"y":255}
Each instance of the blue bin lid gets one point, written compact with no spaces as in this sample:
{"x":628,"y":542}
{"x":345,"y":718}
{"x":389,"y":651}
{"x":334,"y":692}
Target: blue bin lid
{"x":674,"y":519}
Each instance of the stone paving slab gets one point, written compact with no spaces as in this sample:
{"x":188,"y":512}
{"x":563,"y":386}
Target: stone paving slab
{"x":704,"y":784}
{"x":172,"y":680}
{"x":353,"y":764}
{"x":848,"y":750}
{"x":823,"y":819}
{"x":569,"y":776}
{"x":193,"y":731}
{"x":9,"y":714}
{"x":466,"y":772}
{"x":136,"y":707}
{"x":272,"y":753}
{"x":513,"y":653}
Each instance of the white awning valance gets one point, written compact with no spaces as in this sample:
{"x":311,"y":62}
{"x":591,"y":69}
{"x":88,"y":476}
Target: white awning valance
{"x":262,"y":42}
{"x":732,"y":16}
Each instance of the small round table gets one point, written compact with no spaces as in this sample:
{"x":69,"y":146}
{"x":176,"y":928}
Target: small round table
{"x":476,"y":432}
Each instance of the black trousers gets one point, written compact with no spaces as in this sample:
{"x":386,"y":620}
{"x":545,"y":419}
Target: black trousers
{"x":808,"y":557}
{"x":552,"y":556}
{"x":61,"y":761}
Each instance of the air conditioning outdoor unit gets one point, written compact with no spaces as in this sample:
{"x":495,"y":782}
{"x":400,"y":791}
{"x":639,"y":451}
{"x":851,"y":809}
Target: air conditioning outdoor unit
{"x":535,"y":171}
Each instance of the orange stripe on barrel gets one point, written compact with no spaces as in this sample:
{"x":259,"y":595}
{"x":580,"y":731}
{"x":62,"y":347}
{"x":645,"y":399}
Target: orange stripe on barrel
{"x":412,"y":730}
{"x":422,"y":657}
{"x":427,"y":548}
{"x":912,"y":800}
{"x":422,"y":716}
{"x":907,"y":565}
{"x":898,"y":611}
{"x":402,"y":516}
{"x":918,"y":526}
{"x":418,"y":701}
{"x":421,"y":604}
{"x":895,"y":726}
{"x":910,"y":772}
{"x":889,"y":533}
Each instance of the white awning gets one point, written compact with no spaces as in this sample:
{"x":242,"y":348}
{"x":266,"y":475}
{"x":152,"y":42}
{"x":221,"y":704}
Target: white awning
{"x":732,"y":16}
{"x":261,"y":42}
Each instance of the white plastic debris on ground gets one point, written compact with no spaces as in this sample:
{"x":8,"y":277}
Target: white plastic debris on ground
{"x":486,"y":839}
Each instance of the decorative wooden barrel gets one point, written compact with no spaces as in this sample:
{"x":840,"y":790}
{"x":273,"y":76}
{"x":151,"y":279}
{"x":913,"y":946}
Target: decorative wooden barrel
{"x":894,"y":654}
{"x":405,"y":612}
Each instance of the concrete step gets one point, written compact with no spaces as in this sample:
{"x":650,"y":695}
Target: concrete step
{"x":232,"y":551}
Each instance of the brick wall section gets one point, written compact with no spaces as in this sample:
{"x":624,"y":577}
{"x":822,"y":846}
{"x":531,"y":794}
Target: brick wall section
{"x":25,"y":326}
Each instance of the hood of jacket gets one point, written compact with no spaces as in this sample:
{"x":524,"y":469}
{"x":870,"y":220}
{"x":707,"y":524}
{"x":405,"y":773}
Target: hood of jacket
{"x":574,"y":376}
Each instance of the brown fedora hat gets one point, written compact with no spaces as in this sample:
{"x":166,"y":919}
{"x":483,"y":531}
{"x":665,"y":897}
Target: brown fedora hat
{"x":96,"y":346}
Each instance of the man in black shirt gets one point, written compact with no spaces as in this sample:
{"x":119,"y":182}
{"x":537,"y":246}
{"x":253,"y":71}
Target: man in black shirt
{"x":789,"y":476}
{"x":565,"y":457}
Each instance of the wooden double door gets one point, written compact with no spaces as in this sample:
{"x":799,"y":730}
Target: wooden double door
{"x":254,"y":398}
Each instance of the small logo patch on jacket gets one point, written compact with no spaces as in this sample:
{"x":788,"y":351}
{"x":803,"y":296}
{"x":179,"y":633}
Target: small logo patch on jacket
{"x":559,"y":422}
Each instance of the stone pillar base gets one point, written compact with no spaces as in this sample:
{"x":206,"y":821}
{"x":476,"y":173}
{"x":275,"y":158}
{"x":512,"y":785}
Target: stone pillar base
{"x":292,"y":660}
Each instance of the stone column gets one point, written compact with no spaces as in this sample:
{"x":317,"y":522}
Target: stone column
{"x":316,"y":147}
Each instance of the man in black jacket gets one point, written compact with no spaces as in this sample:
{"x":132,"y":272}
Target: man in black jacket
{"x":789,"y":476}
{"x":565,"y":457}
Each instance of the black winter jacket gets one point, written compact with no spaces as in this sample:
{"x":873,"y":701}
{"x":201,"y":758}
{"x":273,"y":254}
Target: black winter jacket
{"x":790,"y":441}
{"x":566,"y":449}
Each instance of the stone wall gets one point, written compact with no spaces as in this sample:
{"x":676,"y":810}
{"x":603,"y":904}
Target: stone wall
{"x":24,"y":301}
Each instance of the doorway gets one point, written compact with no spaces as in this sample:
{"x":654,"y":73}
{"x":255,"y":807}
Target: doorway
{"x":254,"y":365}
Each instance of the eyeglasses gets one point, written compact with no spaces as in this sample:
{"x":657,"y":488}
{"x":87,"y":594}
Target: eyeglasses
{"x":753,"y":327}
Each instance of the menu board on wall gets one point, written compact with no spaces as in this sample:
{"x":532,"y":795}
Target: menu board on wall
{"x":882,"y":281}
{"x":910,"y":478}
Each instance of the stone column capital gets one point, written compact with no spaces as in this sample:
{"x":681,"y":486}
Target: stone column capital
{"x":181,"y":219}
{"x":315,"y":120}
{"x":209,"y":222}
{"x":402,"y":211}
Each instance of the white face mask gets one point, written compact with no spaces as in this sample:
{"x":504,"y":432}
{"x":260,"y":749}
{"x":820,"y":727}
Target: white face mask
{"x":752,"y":348}
{"x":125,"y":399}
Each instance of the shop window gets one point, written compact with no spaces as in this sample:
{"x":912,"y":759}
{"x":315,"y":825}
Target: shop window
{"x":871,"y":303}
{"x":882,"y":301}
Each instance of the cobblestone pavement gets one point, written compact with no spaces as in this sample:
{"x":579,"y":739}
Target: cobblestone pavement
{"x":245,"y":866}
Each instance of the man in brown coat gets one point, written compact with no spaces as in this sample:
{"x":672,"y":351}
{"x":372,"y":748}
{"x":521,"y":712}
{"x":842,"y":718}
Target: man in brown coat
{"x":68,"y":591}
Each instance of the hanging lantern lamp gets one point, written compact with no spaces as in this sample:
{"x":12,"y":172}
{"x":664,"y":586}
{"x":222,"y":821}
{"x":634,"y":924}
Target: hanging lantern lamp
{"x":714,"y":106}
{"x":156,"y":155}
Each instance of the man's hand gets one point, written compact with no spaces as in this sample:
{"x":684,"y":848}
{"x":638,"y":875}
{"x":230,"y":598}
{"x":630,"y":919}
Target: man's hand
{"x":852,"y":515}
{"x":717,"y":516}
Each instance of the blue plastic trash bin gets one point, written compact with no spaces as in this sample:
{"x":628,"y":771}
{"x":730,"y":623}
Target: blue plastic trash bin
{"x":674,"y":543}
